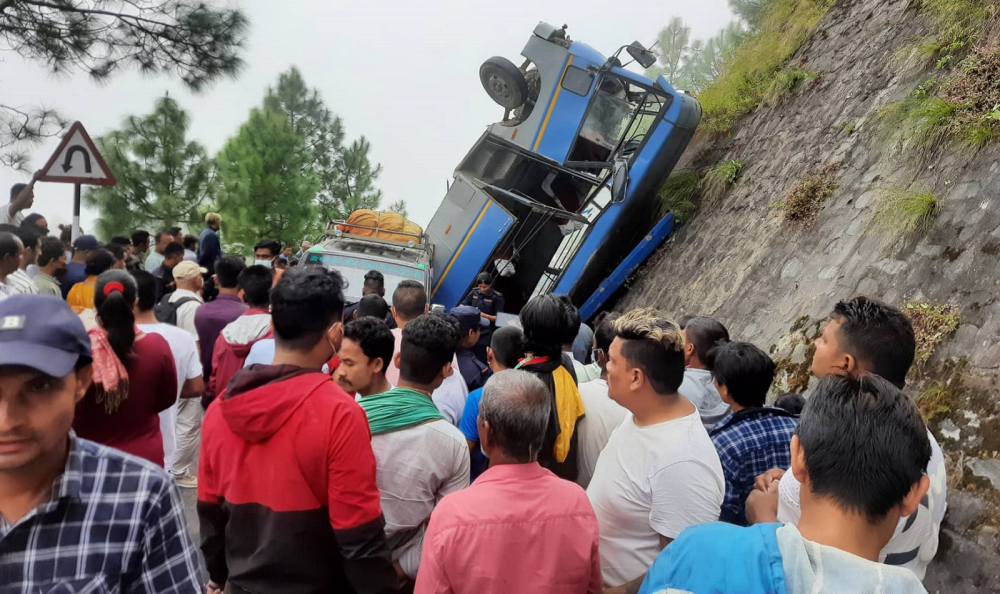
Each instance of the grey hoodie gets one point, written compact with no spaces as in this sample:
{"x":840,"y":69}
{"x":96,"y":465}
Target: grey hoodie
{"x":699,"y":388}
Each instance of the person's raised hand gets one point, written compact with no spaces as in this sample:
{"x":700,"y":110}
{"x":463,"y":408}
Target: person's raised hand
{"x":763,"y":482}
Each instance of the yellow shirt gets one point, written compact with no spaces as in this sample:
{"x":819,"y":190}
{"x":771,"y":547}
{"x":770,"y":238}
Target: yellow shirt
{"x":81,"y":296}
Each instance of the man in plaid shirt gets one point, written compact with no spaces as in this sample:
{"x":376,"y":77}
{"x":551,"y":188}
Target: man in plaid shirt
{"x":75,"y":516}
{"x":753,"y":437}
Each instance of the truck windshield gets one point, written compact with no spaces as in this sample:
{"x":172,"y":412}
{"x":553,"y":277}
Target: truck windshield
{"x":354,"y":269}
{"x":620,"y":110}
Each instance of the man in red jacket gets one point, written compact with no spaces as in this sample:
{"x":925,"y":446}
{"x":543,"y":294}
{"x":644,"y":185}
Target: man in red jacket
{"x":238,"y":337}
{"x":287,"y":498}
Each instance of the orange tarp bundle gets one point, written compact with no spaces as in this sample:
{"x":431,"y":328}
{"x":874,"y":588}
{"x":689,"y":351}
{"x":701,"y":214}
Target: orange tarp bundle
{"x":390,"y":225}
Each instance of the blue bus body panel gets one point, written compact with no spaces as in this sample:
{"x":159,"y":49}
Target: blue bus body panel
{"x":646,"y":247}
{"x":472,"y":255}
{"x":608,"y":220}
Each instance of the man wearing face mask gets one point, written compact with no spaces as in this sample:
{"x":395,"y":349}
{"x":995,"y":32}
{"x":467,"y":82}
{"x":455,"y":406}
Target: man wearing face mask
{"x":324,"y":526}
{"x":266,"y":254}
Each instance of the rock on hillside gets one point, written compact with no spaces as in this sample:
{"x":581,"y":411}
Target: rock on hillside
{"x":772,"y":281}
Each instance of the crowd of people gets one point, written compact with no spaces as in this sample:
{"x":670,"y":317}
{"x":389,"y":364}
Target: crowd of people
{"x":382,"y":447}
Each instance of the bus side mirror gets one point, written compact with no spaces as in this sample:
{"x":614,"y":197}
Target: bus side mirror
{"x":640,"y":54}
{"x":619,"y":181}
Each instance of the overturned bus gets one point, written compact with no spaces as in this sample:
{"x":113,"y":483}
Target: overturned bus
{"x":558,"y":194}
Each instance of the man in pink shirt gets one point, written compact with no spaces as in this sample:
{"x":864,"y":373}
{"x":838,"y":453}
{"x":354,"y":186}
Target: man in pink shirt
{"x":543,"y":526}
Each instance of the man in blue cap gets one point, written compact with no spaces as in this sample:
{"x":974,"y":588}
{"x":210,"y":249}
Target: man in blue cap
{"x":474,"y":371}
{"x":75,"y":515}
{"x":76,"y":271}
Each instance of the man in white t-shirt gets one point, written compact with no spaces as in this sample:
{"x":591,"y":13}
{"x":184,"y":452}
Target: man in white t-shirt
{"x":188,"y":276}
{"x":659,"y":472}
{"x":866,"y":336}
{"x":190,"y":383}
{"x":603,"y":414}
{"x":22,"y":196}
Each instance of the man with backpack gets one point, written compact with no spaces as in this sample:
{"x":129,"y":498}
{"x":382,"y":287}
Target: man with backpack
{"x":178,"y":309}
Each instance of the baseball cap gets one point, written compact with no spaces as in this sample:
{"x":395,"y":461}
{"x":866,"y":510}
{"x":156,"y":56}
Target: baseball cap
{"x":469,"y":317}
{"x":43,"y":333}
{"x":188,"y":270}
{"x":86,"y":242}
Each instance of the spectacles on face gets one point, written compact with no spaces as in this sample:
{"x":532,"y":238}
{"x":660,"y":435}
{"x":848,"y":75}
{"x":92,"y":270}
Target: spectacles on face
{"x":596,"y":355}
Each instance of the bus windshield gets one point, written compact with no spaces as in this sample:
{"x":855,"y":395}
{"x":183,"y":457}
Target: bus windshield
{"x":354,"y":268}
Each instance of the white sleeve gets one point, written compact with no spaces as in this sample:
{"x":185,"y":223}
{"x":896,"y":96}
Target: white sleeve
{"x":191,"y":362}
{"x":684,"y":494}
{"x":185,"y":318}
{"x":789,"y":509}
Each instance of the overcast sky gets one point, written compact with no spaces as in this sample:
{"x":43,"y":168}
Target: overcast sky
{"x":402,"y":73}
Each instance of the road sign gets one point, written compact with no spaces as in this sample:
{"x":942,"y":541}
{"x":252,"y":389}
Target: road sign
{"x":77,"y":161}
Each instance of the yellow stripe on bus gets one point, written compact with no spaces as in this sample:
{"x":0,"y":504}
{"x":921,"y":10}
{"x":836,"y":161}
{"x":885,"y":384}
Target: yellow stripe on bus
{"x":552,"y":105}
{"x":461,"y":247}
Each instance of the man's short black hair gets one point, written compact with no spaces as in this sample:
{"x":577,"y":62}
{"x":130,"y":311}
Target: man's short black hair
{"x":547,"y":324}
{"x":879,"y":336}
{"x":791,"y":402}
{"x":116,"y":250}
{"x":682,"y":321}
{"x":173,"y":249}
{"x":51,"y":249}
{"x":28,"y":236}
{"x":32,"y":220}
{"x":507,"y":345}
{"x":145,"y":284}
{"x":140,"y":237}
{"x":604,"y":333}
{"x":120,"y":240}
{"x":655,"y":345}
{"x":484,"y":278}
{"x":374,"y":338}
{"x":99,"y":262}
{"x":374,"y":280}
{"x":256,"y":283}
{"x":190,"y":242}
{"x":373,"y":305}
{"x":175,"y":231}
{"x":864,"y":441}
{"x":227,"y":271}
{"x":409,"y":299}
{"x":429,"y":343}
{"x":704,"y":333}
{"x":271,"y":245}
{"x":9,"y":245}
{"x":160,"y":235}
{"x":744,"y":369}
{"x":16,"y":189}
{"x":305,"y":303}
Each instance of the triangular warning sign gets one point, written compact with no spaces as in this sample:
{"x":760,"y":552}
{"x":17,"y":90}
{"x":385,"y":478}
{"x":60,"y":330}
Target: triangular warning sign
{"x":77,"y":161}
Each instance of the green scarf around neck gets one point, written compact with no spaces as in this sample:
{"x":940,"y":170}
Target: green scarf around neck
{"x":397,"y":409}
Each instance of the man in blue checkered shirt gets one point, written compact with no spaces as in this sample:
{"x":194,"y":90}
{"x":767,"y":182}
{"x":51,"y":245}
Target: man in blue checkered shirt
{"x":75,"y":516}
{"x":752,"y":438}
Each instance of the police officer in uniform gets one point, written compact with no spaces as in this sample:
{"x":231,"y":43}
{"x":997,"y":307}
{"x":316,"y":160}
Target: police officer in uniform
{"x":474,"y":372}
{"x":489,"y":303}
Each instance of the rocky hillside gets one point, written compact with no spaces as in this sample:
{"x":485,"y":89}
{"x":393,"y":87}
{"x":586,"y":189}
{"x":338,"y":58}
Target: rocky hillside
{"x":873,"y":170}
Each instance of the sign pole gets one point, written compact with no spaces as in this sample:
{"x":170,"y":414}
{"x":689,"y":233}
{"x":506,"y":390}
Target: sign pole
{"x":76,"y":211}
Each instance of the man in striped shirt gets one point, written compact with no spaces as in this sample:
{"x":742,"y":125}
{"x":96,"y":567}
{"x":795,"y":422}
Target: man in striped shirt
{"x":75,"y":516}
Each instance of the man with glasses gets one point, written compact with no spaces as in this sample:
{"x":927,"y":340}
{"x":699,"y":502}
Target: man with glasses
{"x":603,"y":413}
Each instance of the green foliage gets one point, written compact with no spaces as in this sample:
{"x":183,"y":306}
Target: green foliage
{"x":805,"y":199}
{"x":346,"y":175}
{"x":935,"y":402}
{"x":785,"y":81}
{"x":919,"y":121}
{"x":747,"y":75}
{"x":719,"y":178}
{"x":681,"y":195}
{"x":958,"y":25}
{"x":903,"y":212}
{"x":163,"y":179}
{"x":400,"y":207}
{"x":848,"y":127}
{"x":191,"y":39}
{"x":691,"y":64}
{"x":931,"y":325}
{"x":750,"y":12}
{"x":267,"y":188}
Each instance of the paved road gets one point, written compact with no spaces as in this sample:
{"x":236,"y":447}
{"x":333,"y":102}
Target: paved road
{"x":190,"y":497}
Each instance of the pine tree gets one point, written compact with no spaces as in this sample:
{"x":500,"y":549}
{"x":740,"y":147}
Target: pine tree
{"x":267,"y":189}
{"x":346,"y":174}
{"x":163,"y":178}
{"x":188,"y":38}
